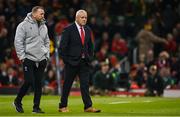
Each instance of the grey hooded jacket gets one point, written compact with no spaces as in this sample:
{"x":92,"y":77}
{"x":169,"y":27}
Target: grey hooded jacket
{"x":31,"y":40}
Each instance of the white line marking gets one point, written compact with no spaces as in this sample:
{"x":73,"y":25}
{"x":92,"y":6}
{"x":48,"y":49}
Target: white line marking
{"x":147,"y":101}
{"x":123,"y":102}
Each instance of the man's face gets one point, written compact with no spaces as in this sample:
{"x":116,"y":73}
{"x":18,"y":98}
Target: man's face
{"x":39,"y":15}
{"x":81,"y":18}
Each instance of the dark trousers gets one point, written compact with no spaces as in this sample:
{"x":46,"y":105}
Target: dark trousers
{"x":70,"y":72}
{"x":32,"y":77}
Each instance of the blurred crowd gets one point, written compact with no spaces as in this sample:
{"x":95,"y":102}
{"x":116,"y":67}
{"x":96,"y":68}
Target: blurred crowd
{"x":136,"y":42}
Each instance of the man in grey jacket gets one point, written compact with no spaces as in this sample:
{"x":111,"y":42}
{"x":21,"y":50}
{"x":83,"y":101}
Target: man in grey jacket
{"x":32,"y":48}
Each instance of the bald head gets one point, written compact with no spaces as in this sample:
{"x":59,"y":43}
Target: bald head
{"x":81,"y":17}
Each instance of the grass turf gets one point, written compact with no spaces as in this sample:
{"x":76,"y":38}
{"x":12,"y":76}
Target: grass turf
{"x":110,"y":106}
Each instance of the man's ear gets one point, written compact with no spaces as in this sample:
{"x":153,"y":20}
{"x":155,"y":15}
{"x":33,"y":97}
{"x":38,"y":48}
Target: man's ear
{"x":33,"y":15}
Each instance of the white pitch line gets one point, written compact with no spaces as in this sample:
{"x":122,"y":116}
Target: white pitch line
{"x":123,"y":102}
{"x":147,"y":101}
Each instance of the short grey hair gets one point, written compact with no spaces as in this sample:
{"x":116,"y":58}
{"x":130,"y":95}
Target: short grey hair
{"x":80,"y":11}
{"x":34,"y":9}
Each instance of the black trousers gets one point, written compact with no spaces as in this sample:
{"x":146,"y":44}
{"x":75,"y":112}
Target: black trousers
{"x":70,"y":72}
{"x":33,"y":75}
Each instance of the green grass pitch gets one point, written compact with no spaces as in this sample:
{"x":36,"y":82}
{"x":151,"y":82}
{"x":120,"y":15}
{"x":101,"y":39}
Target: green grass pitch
{"x":110,"y":106}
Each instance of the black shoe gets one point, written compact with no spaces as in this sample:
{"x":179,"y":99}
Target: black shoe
{"x":37,"y":110}
{"x":18,"y":107}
